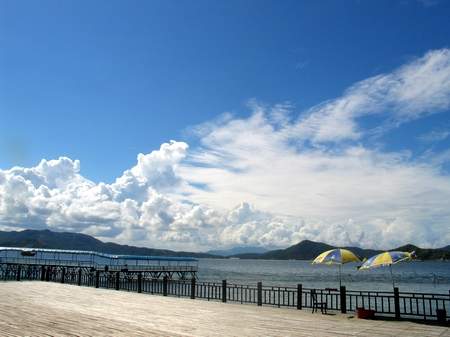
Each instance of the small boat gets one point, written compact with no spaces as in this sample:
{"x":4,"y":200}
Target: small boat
{"x":28,"y":253}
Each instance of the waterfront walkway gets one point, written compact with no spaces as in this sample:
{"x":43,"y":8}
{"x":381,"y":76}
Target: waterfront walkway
{"x":51,"y":309}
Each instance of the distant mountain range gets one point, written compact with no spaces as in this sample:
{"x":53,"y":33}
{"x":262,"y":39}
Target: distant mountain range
{"x":304,"y":250}
{"x":76,"y":241}
{"x":308,"y":250}
{"x":239,"y":250}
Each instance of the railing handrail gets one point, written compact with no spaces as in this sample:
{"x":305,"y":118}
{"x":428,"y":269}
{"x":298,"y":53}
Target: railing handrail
{"x":71,"y":263}
{"x":407,"y":304}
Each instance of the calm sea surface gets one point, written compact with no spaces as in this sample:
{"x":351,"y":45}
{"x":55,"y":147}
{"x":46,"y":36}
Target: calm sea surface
{"x":428,"y":276}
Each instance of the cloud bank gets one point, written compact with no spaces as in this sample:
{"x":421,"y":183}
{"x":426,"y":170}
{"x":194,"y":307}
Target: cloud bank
{"x":268,"y":179}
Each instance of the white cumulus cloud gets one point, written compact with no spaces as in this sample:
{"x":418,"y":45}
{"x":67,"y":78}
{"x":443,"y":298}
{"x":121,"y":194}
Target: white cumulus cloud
{"x":268,"y":179}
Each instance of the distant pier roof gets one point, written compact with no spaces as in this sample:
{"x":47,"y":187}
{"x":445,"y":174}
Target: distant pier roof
{"x":104,"y":255}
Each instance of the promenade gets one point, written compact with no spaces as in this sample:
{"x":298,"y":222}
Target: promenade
{"x":36,"y":308}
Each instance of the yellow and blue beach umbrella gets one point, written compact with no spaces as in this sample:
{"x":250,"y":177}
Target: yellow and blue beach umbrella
{"x":337,"y":256}
{"x":387,"y":259}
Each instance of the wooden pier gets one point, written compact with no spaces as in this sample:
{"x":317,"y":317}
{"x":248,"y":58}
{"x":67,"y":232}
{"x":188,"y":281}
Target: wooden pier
{"x":50,"y":309}
{"x":398,"y":305}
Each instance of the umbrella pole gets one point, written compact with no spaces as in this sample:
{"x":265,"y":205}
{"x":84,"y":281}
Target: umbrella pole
{"x":392,"y":277}
{"x":340,"y":277}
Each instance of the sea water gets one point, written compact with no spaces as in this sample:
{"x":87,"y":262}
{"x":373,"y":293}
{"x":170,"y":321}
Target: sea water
{"x":427,"y":276}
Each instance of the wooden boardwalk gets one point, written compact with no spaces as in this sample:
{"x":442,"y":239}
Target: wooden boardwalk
{"x":51,"y":309}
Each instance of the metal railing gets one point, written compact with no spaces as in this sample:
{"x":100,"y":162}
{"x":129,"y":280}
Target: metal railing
{"x":72,"y":263}
{"x":411,"y":305}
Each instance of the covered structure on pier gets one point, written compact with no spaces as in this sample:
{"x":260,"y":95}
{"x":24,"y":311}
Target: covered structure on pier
{"x":150,"y":266}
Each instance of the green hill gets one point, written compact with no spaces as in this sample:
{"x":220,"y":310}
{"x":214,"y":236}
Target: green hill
{"x":76,"y":241}
{"x":427,"y":253}
{"x":304,"y":250}
{"x":308,"y":250}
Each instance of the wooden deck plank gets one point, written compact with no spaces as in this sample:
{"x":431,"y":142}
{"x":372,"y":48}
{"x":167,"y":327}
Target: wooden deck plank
{"x":52,"y":309}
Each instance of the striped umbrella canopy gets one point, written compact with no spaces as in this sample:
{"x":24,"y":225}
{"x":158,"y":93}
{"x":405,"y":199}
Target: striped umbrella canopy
{"x":337,"y":256}
{"x":387,"y":259}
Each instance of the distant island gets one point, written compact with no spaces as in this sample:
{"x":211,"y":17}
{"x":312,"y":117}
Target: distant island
{"x":238,"y":250}
{"x":304,"y":250}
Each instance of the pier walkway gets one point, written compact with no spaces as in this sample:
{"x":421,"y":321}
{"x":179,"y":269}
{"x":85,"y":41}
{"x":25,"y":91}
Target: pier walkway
{"x":51,"y":309}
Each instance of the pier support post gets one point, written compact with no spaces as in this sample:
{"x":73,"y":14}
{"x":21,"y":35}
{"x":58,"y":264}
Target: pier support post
{"x":299,"y":296}
{"x":224,"y":291}
{"x":79,"y":277}
{"x":165,"y":279}
{"x":47,"y":274}
{"x":118,"y":280}
{"x":63,"y":274}
{"x":343,"y":295}
{"x":396,"y":303}
{"x":19,"y":270}
{"x":193,"y":288}
{"x":259,"y":293}
{"x":139,"y":280}
{"x":97,"y":278}
{"x":42,"y":273}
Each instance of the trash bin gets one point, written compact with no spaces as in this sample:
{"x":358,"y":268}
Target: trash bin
{"x":365,"y":313}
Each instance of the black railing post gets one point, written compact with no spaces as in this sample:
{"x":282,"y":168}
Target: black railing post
{"x":19,"y":269}
{"x":441,"y":315}
{"x":79,"y":277}
{"x":165,"y":279}
{"x":299,"y":296}
{"x":97,"y":278}
{"x":63,"y":274}
{"x":279,"y":297}
{"x":397,"y":303}
{"x":193,"y":288}
{"x":139,"y":282}
{"x":42,"y":273}
{"x":224,"y":291}
{"x":259,"y":293}
{"x":343,"y":294}
{"x":118,"y":280}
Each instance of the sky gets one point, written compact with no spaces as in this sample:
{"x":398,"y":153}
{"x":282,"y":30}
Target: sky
{"x":198,"y":124}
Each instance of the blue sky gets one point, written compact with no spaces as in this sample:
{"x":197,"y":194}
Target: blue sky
{"x":102,"y":81}
{"x":127,"y":76}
